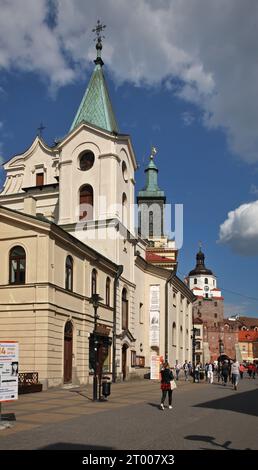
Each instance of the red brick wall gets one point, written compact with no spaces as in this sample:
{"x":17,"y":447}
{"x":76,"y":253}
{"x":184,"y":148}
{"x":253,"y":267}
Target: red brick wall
{"x":229,"y":338}
{"x":209,"y":311}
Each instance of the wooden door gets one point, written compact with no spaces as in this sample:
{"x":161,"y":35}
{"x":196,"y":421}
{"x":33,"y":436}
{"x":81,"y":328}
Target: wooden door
{"x":68,"y":352}
{"x":124,"y":354}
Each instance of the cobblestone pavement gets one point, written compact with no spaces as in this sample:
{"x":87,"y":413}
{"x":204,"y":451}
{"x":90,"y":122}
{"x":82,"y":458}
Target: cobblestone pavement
{"x":204,"y":416}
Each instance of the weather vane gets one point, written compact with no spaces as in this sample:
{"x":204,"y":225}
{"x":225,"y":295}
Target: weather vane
{"x":41,"y":129}
{"x":200,"y":245}
{"x":98,"y":30}
{"x":153,"y":152}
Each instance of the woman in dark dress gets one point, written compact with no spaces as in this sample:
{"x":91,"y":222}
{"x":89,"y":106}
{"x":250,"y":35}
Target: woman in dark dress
{"x":166,"y":377}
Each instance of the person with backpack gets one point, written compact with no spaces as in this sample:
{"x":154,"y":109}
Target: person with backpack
{"x":225,"y":370}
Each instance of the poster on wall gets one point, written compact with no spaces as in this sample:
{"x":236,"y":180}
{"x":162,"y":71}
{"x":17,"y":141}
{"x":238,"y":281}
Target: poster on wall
{"x":9,"y":368}
{"x":154,"y":315}
{"x":155,"y":367}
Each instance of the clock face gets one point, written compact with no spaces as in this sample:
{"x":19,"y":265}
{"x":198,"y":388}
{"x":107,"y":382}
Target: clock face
{"x":206,"y":288}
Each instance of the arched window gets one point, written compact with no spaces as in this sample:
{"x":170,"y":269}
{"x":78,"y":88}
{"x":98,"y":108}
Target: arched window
{"x":124,"y":207}
{"x":86,"y":202}
{"x":139,"y":222}
{"x":150,"y":224}
{"x":195,"y":280}
{"x":124,"y":310}
{"x":108,"y":282}
{"x":69,"y":273}
{"x":86,"y":160}
{"x":124,"y":171}
{"x":17,"y":265}
{"x":206,"y":281}
{"x":94,"y":276}
{"x":181,"y":338}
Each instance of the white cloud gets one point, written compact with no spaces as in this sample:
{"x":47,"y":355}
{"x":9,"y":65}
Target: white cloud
{"x":240,"y":229}
{"x":187,"y":118}
{"x":28,"y":44}
{"x":208,"y":48}
{"x":254,"y":189}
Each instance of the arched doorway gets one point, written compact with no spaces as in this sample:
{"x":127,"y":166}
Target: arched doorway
{"x":124,"y":360}
{"x":68,"y":352}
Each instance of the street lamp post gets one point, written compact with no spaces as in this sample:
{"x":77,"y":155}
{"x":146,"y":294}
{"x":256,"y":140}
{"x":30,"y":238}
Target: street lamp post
{"x":193,"y":351}
{"x":95,"y":299}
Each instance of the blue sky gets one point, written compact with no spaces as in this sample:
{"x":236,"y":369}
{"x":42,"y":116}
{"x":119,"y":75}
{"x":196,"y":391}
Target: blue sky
{"x":204,"y":130}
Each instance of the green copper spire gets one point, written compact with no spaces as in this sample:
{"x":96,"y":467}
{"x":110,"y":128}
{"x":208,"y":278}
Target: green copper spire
{"x":96,"y":107}
{"x":151,"y":189}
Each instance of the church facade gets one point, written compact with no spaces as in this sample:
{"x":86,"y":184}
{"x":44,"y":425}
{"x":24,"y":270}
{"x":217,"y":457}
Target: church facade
{"x":67,"y":232}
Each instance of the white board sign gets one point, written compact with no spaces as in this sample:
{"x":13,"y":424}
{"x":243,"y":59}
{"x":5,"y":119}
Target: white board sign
{"x":9,"y":368}
{"x":155,"y":367}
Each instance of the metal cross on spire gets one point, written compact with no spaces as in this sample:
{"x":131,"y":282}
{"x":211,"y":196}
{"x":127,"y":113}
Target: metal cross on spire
{"x":98,"y":30}
{"x":41,"y":129}
{"x":200,"y":245}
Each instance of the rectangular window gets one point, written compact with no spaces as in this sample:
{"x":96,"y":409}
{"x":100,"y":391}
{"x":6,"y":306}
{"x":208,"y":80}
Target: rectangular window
{"x":216,"y":304}
{"x":140,"y":361}
{"x":197,"y":332}
{"x":133,"y":358}
{"x":200,"y":303}
{"x":124,"y":314}
{"x":39,"y":179}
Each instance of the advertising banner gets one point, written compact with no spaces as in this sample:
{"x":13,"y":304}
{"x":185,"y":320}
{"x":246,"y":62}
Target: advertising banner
{"x":154,"y":315}
{"x":9,"y":367}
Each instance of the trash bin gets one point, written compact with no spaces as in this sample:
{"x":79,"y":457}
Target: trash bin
{"x":202,"y":375}
{"x":106,"y":387}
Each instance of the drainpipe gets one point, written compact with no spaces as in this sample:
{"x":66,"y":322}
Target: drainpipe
{"x":172,"y":274}
{"x":117,"y":276}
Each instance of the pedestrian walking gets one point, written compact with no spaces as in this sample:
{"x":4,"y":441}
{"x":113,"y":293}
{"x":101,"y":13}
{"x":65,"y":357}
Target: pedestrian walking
{"x":206,"y":368}
{"x":250,"y":370}
{"x":186,"y":370}
{"x":225,"y":372}
{"x":197,"y":373}
{"x":177,"y":369}
{"x":235,"y":372}
{"x":241,"y":370}
{"x":166,"y":377}
{"x":210,"y":373}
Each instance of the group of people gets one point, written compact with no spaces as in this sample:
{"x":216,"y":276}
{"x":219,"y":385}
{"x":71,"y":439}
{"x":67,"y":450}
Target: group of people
{"x":225,"y":371}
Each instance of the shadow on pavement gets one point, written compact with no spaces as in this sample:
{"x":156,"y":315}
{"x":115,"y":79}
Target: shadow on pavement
{"x":210,"y":440}
{"x":155,"y":405}
{"x":70,"y":446}
{"x":245,"y":402}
